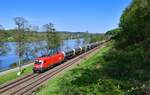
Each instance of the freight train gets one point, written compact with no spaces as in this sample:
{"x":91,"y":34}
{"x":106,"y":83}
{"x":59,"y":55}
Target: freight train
{"x":42,"y":64}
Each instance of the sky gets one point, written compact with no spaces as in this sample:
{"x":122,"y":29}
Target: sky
{"x":96,"y":16}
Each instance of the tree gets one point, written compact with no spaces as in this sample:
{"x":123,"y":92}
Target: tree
{"x":86,"y":38}
{"x":33,"y":30}
{"x":3,"y":46}
{"x":53,"y":39}
{"x":20,"y":39}
{"x":134,"y":25}
{"x":113,"y":33}
{"x":78,"y":40}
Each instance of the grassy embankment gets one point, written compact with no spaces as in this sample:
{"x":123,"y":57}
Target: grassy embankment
{"x":75,"y":81}
{"x":13,"y":75}
{"x":109,"y":72}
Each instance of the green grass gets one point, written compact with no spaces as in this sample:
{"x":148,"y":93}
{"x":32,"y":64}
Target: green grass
{"x":109,"y":72}
{"x":55,"y":86}
{"x":13,"y":75}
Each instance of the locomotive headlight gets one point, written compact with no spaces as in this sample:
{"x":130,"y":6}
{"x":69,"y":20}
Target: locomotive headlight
{"x":41,"y":63}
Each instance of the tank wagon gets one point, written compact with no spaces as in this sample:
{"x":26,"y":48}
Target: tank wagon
{"x":42,"y":64}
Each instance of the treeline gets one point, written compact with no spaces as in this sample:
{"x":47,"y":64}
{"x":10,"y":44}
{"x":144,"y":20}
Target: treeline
{"x":36,"y":35}
{"x":9,"y":35}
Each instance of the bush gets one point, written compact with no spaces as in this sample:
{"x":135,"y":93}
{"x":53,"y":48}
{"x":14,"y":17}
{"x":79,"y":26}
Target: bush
{"x":130,"y":67}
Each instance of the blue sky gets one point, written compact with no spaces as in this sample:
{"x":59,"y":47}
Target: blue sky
{"x":96,"y":16}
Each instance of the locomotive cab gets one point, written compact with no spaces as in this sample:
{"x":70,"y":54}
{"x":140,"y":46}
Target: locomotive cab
{"x":38,"y":65}
{"x":44,"y":63}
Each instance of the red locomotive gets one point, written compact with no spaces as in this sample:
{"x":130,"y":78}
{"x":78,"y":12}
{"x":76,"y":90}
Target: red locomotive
{"x":43,"y":63}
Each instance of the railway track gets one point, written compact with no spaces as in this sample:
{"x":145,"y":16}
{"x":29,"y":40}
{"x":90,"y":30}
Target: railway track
{"x":14,"y":83}
{"x":26,"y":85}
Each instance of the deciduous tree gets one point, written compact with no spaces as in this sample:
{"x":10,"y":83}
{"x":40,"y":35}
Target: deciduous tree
{"x":20,"y":39}
{"x":53,"y":39}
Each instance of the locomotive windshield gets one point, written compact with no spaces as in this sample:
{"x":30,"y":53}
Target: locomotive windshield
{"x":38,"y":62}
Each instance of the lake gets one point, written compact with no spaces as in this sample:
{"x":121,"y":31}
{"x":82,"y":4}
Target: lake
{"x":11,"y":57}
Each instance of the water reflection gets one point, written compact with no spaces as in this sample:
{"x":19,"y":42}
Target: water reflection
{"x":35,"y":49}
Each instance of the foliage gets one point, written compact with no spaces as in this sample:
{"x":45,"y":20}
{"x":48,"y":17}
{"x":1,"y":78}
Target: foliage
{"x":86,"y":38}
{"x":113,"y":33}
{"x":53,"y":40}
{"x":20,"y":39}
{"x":96,"y":38}
{"x":129,"y":60}
{"x":134,"y":24}
{"x":3,"y":48}
{"x":10,"y":35}
{"x":131,"y":68}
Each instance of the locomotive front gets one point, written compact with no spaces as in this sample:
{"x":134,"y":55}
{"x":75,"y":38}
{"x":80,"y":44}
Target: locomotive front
{"x":38,"y":65}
